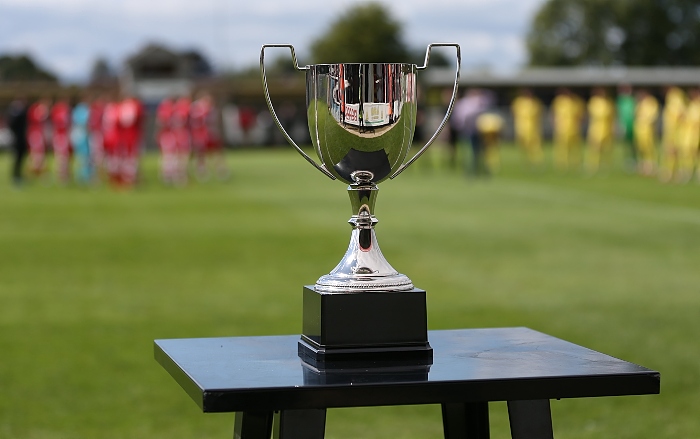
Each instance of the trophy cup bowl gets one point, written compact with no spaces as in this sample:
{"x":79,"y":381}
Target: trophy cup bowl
{"x":362,"y":117}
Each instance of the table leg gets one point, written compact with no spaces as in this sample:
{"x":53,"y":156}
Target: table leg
{"x":530,"y":419}
{"x":468,"y":420}
{"x":294,"y":424}
{"x":252,"y":425}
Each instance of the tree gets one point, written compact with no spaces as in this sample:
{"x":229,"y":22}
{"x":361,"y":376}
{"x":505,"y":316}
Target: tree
{"x":364,"y":33}
{"x":22,"y":68}
{"x":661,"y":32}
{"x":622,"y":32}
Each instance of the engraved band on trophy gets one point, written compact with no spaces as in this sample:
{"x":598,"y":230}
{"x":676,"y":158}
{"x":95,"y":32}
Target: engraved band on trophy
{"x":362,"y":117}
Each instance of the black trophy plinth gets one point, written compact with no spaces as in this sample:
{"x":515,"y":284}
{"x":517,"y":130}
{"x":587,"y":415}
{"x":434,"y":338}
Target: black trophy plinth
{"x":369,"y":326}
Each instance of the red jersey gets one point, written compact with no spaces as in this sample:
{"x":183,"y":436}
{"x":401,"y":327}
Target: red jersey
{"x":164,"y":136}
{"x":60,"y":119}
{"x":180,"y":116}
{"x":110,"y":126}
{"x":246,"y":118}
{"x":60,"y":116}
{"x":37,"y":117}
{"x":179,"y":122}
{"x":130,"y":123}
{"x":204,"y":125}
{"x":200,"y":113}
{"x":164,"y":113}
{"x":130,"y":114}
{"x":38,"y":114}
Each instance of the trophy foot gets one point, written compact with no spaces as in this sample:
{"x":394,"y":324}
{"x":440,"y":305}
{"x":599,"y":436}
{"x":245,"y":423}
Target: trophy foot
{"x":349,"y":284}
{"x":363,"y":269}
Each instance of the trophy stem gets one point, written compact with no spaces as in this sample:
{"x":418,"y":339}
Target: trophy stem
{"x":363,"y":268}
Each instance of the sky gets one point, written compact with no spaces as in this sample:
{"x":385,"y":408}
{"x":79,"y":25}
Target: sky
{"x":67,"y":36}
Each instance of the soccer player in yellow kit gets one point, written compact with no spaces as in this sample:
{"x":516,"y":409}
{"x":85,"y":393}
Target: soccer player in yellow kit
{"x":671,"y":117}
{"x":689,"y":138}
{"x":645,"y":115}
{"x":567,"y":110}
{"x":527,"y":120}
{"x":601,"y":118}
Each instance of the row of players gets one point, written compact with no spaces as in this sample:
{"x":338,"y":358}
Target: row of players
{"x":104,"y":136}
{"x":187,"y":129}
{"x":637,"y":115}
{"x":101,"y":134}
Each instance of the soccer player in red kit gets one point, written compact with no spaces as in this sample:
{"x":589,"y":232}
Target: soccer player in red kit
{"x":60,"y":120}
{"x":179,"y":121}
{"x":205,"y":136}
{"x":111,"y":139}
{"x":167,"y":142}
{"x":205,"y":140}
{"x":200,"y":112}
{"x":37,"y":120}
{"x":131,"y":128}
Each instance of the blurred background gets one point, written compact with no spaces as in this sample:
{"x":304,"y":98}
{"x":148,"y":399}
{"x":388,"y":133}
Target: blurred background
{"x":68,"y":50}
{"x":145,"y":193}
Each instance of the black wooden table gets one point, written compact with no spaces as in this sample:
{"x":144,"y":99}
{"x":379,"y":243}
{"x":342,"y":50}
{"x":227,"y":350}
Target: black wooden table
{"x":264,"y":381}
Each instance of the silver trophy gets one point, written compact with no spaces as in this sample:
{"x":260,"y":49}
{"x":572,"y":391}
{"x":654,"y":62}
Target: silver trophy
{"x":362,"y":118}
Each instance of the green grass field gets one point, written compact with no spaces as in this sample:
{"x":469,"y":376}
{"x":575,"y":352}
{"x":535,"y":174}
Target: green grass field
{"x":90,"y":277}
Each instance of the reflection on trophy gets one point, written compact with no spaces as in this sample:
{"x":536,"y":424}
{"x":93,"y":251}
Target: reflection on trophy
{"x":362,"y":118}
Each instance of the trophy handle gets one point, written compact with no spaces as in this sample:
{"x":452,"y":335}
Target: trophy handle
{"x":449,"y":107}
{"x":272,"y":110}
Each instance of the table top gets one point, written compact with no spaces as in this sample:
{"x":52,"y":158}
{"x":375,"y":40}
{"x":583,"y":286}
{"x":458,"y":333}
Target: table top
{"x":492,"y":364}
